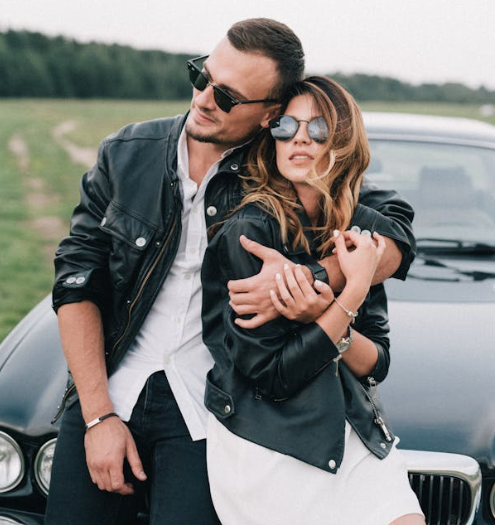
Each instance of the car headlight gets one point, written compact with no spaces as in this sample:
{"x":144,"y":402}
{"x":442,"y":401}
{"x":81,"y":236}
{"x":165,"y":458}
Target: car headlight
{"x":8,"y":521}
{"x":43,"y":465}
{"x":11,"y":463}
{"x":492,"y":500}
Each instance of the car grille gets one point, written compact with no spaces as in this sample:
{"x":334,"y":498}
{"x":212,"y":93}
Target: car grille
{"x":445,"y":500}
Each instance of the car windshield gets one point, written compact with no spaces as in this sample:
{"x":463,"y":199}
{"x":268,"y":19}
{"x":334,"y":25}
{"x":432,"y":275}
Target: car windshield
{"x":451,"y":187}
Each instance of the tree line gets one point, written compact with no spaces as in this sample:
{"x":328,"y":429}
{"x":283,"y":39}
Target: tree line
{"x":36,"y":65}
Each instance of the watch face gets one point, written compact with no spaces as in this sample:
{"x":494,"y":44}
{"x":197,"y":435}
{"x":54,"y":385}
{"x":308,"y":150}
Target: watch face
{"x":343,"y":344}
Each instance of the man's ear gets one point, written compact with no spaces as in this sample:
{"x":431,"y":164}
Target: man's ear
{"x":271,"y":112}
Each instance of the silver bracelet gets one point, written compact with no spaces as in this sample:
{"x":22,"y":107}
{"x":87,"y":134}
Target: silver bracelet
{"x":98,"y":420}
{"x":349,"y":313}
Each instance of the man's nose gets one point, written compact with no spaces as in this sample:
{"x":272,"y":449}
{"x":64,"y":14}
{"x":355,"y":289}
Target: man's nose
{"x":206,"y":98}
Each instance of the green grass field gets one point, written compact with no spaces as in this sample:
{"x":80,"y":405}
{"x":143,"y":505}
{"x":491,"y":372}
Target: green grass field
{"x":39,"y":180}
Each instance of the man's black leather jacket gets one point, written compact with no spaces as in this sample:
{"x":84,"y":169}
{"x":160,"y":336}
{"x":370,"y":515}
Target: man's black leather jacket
{"x":278,"y":385}
{"x":126,"y":229}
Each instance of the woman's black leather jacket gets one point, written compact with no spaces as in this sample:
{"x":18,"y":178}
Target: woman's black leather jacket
{"x":126,"y":228}
{"x":278,"y":385}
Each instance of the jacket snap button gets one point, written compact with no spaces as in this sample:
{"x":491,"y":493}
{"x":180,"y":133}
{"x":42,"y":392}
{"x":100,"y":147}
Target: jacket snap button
{"x":80,"y":280}
{"x":211,"y":211}
{"x":140,"y":241}
{"x":383,"y":445}
{"x":227,"y":409}
{"x":332,"y":464}
{"x":234,"y":167}
{"x":71,"y":280}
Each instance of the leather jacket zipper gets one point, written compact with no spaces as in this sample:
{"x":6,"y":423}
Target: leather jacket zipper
{"x":143,"y":284}
{"x":61,"y":407}
{"x":379,"y":421}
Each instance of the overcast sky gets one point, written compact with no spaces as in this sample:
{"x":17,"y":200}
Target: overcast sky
{"x":413,"y":40}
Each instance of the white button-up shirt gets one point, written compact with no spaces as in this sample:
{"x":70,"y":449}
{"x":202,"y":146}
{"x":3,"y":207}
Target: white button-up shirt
{"x":170,"y":338}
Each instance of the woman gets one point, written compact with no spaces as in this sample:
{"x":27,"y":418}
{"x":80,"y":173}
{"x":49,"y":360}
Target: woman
{"x":296,"y":434}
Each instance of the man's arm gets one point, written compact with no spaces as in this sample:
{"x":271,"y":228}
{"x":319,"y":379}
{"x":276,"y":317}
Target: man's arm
{"x":109,"y":442}
{"x":81,"y":291}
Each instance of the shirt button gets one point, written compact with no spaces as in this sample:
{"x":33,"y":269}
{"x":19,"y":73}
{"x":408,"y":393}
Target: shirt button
{"x":166,"y":361}
{"x":211,"y":211}
{"x":140,"y":241}
{"x":332,"y":464}
{"x":187,"y":276}
{"x":227,"y":409}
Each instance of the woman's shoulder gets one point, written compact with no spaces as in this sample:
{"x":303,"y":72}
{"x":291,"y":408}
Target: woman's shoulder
{"x":251,"y":213}
{"x":252,"y":221}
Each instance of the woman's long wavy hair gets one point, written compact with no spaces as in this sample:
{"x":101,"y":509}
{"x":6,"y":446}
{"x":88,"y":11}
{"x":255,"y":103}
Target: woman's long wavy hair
{"x":347,"y":155}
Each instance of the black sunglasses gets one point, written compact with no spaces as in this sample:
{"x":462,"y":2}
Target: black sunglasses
{"x":284,"y":127}
{"x":222,"y":99}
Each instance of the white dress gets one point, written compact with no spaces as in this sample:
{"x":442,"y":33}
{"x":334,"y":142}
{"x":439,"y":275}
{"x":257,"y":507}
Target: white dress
{"x":253,"y":485}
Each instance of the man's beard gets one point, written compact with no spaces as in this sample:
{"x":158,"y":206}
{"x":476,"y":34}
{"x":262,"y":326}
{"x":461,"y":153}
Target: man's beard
{"x":210,"y":139}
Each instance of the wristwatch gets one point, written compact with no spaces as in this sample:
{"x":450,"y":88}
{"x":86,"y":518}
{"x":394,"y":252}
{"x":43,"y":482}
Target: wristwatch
{"x":345,"y":342}
{"x":317,"y":270}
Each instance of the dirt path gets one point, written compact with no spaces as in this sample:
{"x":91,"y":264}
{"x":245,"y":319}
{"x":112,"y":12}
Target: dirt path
{"x":38,"y":199}
{"x":83,"y":156}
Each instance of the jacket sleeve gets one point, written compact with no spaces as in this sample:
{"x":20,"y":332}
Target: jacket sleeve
{"x":372,"y":322}
{"x":391,"y":215}
{"x":81,"y":260}
{"x":281,"y":356}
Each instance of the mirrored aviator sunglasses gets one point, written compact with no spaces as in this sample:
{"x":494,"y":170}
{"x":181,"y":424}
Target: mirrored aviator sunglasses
{"x":285,"y":128}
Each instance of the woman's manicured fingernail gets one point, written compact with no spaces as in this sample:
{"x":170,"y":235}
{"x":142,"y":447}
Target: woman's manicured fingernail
{"x":286,"y":266}
{"x":336,"y":233}
{"x":318,"y":283}
{"x":278,"y":276}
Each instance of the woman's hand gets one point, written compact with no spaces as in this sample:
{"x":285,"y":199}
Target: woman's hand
{"x":359,"y":263}
{"x":297,"y":299}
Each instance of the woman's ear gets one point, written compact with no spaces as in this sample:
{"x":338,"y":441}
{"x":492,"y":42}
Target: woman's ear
{"x":271,"y":113}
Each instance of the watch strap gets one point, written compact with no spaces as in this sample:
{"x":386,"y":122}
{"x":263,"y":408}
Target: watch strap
{"x":318,"y":271}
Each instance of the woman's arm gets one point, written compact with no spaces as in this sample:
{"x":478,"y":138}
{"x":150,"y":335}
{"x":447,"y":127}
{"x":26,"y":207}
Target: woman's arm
{"x":280,"y":356}
{"x":364,"y":353}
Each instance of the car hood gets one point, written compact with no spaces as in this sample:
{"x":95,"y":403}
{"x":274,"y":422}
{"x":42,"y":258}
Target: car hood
{"x":439,"y":394}
{"x":33,"y":373}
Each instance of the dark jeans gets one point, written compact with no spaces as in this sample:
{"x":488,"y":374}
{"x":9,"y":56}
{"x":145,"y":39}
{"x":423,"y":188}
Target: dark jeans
{"x":177,"y":488}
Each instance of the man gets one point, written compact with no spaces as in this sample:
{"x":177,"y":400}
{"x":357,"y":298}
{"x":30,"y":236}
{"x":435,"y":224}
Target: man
{"x":128,"y":291}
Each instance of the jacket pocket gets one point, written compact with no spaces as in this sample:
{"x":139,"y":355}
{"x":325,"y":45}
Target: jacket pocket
{"x":131,"y":236}
{"x":217,"y":401}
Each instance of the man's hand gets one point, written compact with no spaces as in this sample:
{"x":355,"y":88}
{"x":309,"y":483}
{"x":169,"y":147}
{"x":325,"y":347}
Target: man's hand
{"x":107,"y":445}
{"x":252,"y":295}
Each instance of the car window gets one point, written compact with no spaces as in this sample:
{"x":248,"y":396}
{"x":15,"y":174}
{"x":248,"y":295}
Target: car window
{"x":451,"y":187}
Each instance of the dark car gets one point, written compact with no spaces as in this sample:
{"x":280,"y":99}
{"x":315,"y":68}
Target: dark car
{"x":438,"y":395}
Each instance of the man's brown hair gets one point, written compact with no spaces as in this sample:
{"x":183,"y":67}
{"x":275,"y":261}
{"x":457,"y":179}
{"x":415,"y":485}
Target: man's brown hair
{"x":273,"y":40}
